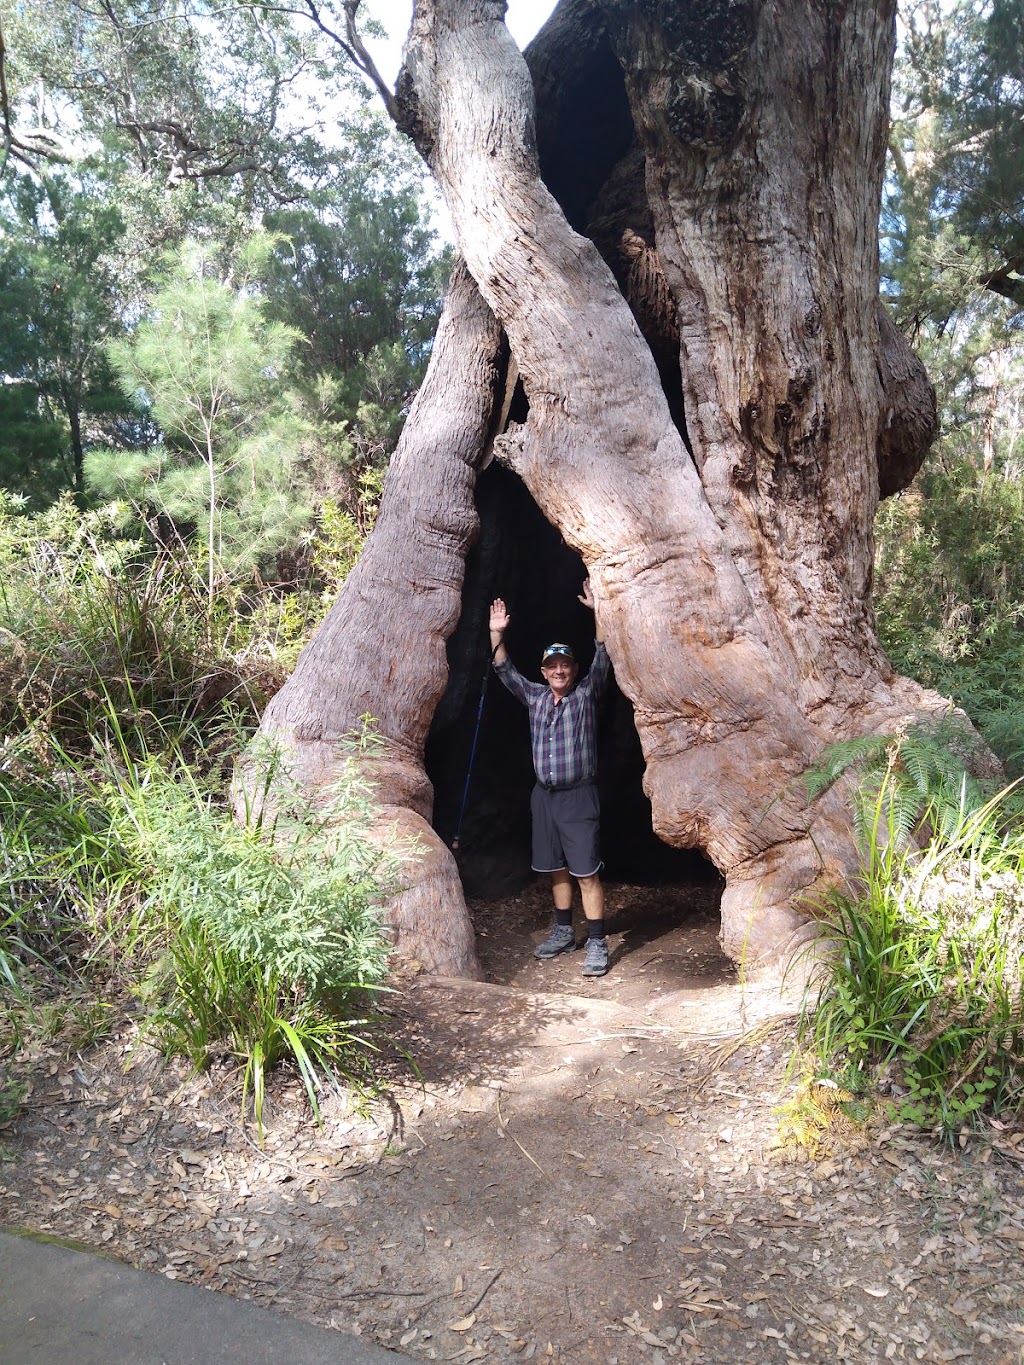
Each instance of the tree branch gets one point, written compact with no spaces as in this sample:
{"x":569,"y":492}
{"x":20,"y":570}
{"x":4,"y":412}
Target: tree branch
{"x":26,"y":147}
{"x":365,"y":62}
{"x":352,"y":44}
{"x":1008,"y":280}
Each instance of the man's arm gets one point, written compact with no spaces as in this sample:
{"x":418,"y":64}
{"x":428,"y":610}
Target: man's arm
{"x":506,"y":670}
{"x":597,"y":676}
{"x":499,"y":624}
{"x":587,"y":598}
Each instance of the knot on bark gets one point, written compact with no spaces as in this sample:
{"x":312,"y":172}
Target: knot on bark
{"x":909,"y":415}
{"x":510,"y":447}
{"x":410,"y":117}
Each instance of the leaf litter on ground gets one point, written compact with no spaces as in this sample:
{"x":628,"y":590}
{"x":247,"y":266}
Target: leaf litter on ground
{"x":743,"y":1242}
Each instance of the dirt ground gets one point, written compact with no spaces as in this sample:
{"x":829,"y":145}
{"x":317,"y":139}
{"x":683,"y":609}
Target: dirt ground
{"x":589,"y":1171}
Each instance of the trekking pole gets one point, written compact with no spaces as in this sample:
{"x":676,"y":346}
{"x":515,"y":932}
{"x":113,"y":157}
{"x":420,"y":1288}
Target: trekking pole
{"x":472,"y":751}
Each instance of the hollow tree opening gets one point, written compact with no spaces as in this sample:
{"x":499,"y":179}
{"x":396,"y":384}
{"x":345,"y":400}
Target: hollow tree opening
{"x":521,"y":557}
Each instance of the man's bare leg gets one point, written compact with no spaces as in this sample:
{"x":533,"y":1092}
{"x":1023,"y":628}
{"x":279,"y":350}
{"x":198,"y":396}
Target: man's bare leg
{"x":561,"y":890}
{"x":593,"y":896}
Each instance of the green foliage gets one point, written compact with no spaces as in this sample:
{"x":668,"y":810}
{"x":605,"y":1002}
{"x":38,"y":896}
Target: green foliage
{"x":271,"y":931}
{"x":61,"y":305}
{"x":922,"y":989}
{"x":339,"y":536}
{"x":139,"y":134}
{"x":126,"y":694}
{"x":12,"y":1096}
{"x":33,"y":445}
{"x":356,"y":273}
{"x":952,"y":244}
{"x":260,"y":939}
{"x":950,"y":596}
{"x":213,"y":372}
{"x":46,"y":840}
{"x":919,"y":775}
{"x":952,"y":221}
{"x":94,"y":623}
{"x":190,"y":95}
{"x":287,"y":894}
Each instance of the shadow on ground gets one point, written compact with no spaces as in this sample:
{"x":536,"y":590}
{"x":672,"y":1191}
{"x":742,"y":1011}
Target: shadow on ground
{"x":662,"y":939}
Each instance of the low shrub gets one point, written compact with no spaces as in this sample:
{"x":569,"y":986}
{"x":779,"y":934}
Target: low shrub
{"x":263,"y":939}
{"x":273,"y":934}
{"x":922,"y":990}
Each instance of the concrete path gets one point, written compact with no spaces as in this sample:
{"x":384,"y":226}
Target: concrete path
{"x":64,"y":1307}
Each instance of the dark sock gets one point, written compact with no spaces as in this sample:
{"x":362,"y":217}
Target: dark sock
{"x":595,"y":928}
{"x":563,"y":916}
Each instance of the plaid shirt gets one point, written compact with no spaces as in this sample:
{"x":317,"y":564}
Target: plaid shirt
{"x":563,"y":734}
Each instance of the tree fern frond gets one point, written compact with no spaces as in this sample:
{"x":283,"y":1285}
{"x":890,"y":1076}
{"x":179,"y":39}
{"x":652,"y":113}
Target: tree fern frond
{"x":915,"y":778}
{"x":841,"y":756}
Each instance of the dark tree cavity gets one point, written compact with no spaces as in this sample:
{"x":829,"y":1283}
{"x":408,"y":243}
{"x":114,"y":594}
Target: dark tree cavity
{"x":519,"y":554}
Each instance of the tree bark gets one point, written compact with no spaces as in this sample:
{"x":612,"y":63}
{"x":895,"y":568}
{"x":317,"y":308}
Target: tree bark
{"x":733,"y":586}
{"x":381,"y":651}
{"x":74,"y":415}
{"x":724,"y":513}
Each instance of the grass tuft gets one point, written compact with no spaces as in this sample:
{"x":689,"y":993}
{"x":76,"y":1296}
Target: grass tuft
{"x":125,"y":885}
{"x":922,"y":993}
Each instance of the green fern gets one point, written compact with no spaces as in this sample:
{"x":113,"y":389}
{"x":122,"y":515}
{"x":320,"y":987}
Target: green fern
{"x":838,"y":758}
{"x":920,"y":775}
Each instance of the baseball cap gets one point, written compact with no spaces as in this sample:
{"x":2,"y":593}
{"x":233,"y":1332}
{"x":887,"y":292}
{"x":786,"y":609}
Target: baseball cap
{"x":557,"y":651}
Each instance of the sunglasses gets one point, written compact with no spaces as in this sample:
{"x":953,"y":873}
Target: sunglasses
{"x":557,"y":652}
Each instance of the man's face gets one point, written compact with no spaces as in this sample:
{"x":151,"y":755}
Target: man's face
{"x":559,"y":674}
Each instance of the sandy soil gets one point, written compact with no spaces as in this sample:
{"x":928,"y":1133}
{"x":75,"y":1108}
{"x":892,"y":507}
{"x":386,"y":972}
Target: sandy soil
{"x":590,"y":1171}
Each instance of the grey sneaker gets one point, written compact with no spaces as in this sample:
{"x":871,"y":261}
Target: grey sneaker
{"x":562,"y":939}
{"x":596,"y":961}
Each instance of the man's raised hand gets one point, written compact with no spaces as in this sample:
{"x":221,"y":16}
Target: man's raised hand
{"x":587,"y":595}
{"x":499,"y":617}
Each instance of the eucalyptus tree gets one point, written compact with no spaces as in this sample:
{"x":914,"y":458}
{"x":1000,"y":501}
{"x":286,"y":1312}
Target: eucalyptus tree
{"x":667,"y":323}
{"x":191,"y":94}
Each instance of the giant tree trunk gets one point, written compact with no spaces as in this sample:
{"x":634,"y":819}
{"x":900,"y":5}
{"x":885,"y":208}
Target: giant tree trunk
{"x":380,"y":653}
{"x":713,"y":401}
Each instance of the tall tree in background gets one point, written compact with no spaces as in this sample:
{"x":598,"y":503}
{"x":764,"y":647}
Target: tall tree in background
{"x":58,"y":240}
{"x":214,"y":372}
{"x":951,"y":595}
{"x":148,"y":125}
{"x":953,"y":215}
{"x":356,"y":271}
{"x":670,"y":222}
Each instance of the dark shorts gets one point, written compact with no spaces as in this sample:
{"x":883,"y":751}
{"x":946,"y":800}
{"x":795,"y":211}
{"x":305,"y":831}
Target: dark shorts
{"x":566,"y":826}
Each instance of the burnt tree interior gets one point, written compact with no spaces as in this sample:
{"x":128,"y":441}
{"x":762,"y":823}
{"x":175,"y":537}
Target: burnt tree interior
{"x":521,"y":557}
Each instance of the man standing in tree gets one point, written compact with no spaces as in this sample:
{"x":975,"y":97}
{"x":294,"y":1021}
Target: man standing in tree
{"x":564,"y":804}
